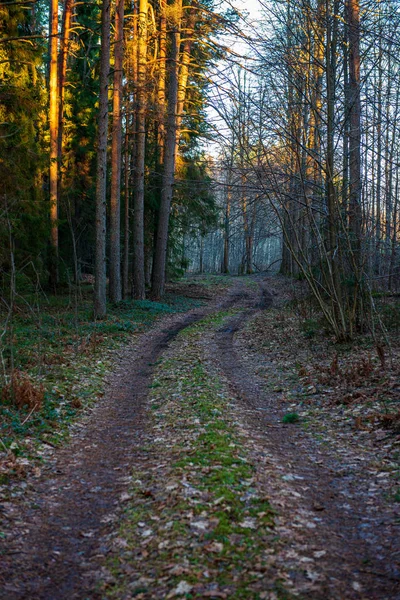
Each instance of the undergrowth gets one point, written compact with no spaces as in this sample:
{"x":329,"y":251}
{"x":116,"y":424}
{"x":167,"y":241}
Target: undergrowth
{"x":54,"y":360}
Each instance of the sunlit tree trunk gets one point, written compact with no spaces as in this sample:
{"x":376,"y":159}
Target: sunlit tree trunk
{"x":100,"y":267}
{"x":53,"y":126}
{"x":162,"y":56}
{"x":138,"y":214}
{"x":125,"y":268}
{"x":115,"y":201}
{"x":132,"y":68}
{"x":62,"y":71}
{"x":161,"y":116}
{"x":184,"y":69}
{"x":160,"y":254}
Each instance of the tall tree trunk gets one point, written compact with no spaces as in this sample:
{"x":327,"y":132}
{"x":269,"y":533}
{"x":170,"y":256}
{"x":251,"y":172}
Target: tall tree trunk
{"x":161,"y":114}
{"x":138,"y":214}
{"x":100,"y":267}
{"x":201,"y":256}
{"x":184,"y":70}
{"x":225,"y":264}
{"x":115,"y":201}
{"x":62,"y":71}
{"x":353,"y":11}
{"x":394,"y":241}
{"x":160,"y":254}
{"x":162,"y":71}
{"x":331,"y":199}
{"x":125,"y":269}
{"x":391,"y":198}
{"x":378,"y":248}
{"x":53,"y":125}
{"x":345,"y":185}
{"x":388,"y":164}
{"x":132,"y":64}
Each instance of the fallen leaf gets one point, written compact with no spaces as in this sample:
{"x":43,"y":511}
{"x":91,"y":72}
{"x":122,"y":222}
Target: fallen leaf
{"x":248,"y":524}
{"x":181,"y":589}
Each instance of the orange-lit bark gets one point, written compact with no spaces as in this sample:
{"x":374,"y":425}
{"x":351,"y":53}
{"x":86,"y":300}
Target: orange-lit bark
{"x":184,"y":69}
{"x":125,"y":268}
{"x":160,"y":254}
{"x":138,"y":215}
{"x":162,"y":54}
{"x":115,"y":203}
{"x":53,"y":126}
{"x":62,"y":70}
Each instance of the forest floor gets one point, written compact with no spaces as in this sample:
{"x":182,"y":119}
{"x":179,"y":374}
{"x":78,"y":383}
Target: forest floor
{"x":236,"y":452}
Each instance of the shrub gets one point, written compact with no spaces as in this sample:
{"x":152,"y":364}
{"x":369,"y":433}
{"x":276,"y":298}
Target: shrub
{"x":21,"y":392}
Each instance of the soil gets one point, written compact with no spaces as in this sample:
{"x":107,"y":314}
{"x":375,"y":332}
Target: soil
{"x":341,"y":538}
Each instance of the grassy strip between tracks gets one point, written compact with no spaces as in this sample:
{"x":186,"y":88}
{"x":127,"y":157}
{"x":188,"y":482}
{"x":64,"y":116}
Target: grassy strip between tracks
{"x":197,"y":523}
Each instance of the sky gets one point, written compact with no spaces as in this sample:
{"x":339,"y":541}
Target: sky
{"x":221,"y":72}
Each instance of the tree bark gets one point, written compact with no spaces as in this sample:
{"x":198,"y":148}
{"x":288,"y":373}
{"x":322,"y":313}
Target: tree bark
{"x":138,"y":215}
{"x":225,"y":264}
{"x":101,"y":180}
{"x":115,"y":200}
{"x":53,"y":125}
{"x":353,"y":11}
{"x":160,"y":254}
{"x":62,"y":71}
{"x":125,"y":269}
{"x":162,"y":55}
{"x":184,"y":70}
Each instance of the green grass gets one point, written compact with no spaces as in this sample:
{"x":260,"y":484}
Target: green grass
{"x":290,"y":418}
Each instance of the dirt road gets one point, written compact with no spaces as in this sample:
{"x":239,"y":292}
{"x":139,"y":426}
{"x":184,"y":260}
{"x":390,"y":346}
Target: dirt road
{"x":337,"y":541}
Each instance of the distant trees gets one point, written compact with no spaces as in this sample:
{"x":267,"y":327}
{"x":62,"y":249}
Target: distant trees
{"x":317,"y":138}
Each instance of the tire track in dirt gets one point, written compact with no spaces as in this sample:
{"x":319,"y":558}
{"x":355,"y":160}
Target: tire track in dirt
{"x":357,"y":549}
{"x":60,"y":527}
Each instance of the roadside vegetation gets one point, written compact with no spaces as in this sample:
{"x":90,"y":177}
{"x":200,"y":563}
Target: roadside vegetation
{"x":344,"y":394}
{"x":55,"y":357}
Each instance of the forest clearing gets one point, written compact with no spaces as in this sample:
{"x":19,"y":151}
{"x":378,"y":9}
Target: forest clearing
{"x":199,"y":299}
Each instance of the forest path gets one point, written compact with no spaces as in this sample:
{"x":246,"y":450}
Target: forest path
{"x":334,"y":542}
{"x":341,"y":540}
{"x":58,"y":525}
